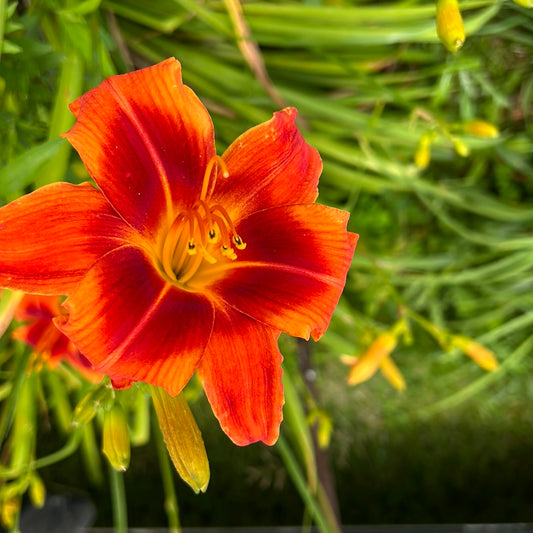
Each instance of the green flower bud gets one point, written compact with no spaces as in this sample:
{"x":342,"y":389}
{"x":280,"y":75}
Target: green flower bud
{"x":89,"y":405}
{"x":115,"y":438}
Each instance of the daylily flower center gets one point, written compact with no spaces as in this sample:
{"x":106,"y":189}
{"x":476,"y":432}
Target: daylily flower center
{"x":199,"y":236}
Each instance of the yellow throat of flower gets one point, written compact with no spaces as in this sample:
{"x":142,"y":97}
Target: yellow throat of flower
{"x":199,"y":237}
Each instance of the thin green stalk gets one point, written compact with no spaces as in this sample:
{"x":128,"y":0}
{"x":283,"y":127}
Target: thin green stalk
{"x":505,"y":330}
{"x":118,"y":500}
{"x":301,"y":485}
{"x":509,"y":266}
{"x":482,"y":383}
{"x":171,"y":500}
{"x":58,"y":400}
{"x":91,"y":455}
{"x":475,"y":236}
{"x":22,"y":356}
{"x":67,"y":450}
{"x":211,"y":19}
{"x":3,"y":16}
{"x":69,"y":88}
{"x":140,"y":427}
{"x":162,"y":16}
{"x":353,"y":15}
{"x":295,"y":421}
{"x":70,"y":447}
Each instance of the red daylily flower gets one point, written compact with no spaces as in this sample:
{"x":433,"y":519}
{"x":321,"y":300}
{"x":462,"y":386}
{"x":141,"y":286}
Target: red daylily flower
{"x":39,"y":331}
{"x":181,"y":260}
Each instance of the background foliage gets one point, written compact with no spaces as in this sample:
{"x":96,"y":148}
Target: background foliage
{"x":447,"y":249}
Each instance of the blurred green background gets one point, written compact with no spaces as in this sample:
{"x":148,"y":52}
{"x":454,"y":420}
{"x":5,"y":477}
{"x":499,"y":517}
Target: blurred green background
{"x":447,"y":248}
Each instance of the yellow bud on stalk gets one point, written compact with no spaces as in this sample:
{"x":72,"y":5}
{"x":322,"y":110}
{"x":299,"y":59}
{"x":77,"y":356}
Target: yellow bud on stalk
{"x":460,"y":147}
{"x":422,"y":157}
{"x":392,"y":374}
{"x":116,"y":439}
{"x":524,"y":3}
{"x":182,"y":438}
{"x":481,"y":128}
{"x":37,"y":491}
{"x":450,"y":27}
{"x":367,"y":365}
{"x":10,"y":510}
{"x":484,"y":357}
{"x":423,"y":153}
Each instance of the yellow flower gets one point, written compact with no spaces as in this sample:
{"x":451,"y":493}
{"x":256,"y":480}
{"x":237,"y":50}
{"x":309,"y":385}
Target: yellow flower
{"x":366,"y":366}
{"x":392,"y":373}
{"x":10,"y":510}
{"x":423,"y":153}
{"x":484,"y":357}
{"x":37,"y":491}
{"x":460,"y":147}
{"x":481,"y":128}
{"x":450,"y":27}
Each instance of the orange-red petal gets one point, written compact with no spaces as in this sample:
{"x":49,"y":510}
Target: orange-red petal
{"x":145,"y":138}
{"x":51,"y":237}
{"x":293,"y":270}
{"x":132,"y":325}
{"x":241,"y":376}
{"x":269,"y":165}
{"x":40,"y":332}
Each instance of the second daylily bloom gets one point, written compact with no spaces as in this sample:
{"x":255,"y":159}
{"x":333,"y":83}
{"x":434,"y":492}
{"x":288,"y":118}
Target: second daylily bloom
{"x":181,"y":260}
{"x":39,"y":331}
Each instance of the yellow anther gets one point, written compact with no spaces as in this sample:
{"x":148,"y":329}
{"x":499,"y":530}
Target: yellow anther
{"x":229,"y":252}
{"x":191,"y":247}
{"x":239,"y":242}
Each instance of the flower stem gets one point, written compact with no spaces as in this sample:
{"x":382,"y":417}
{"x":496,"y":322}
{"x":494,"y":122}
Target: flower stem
{"x":481,"y":383}
{"x":171,"y":501}
{"x":118,"y":498}
{"x":22,"y":357}
{"x":301,"y":485}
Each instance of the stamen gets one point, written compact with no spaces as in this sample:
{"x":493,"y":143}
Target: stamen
{"x":193,"y":234}
{"x":201,"y":223}
{"x":209,"y":224}
{"x":239,"y":243}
